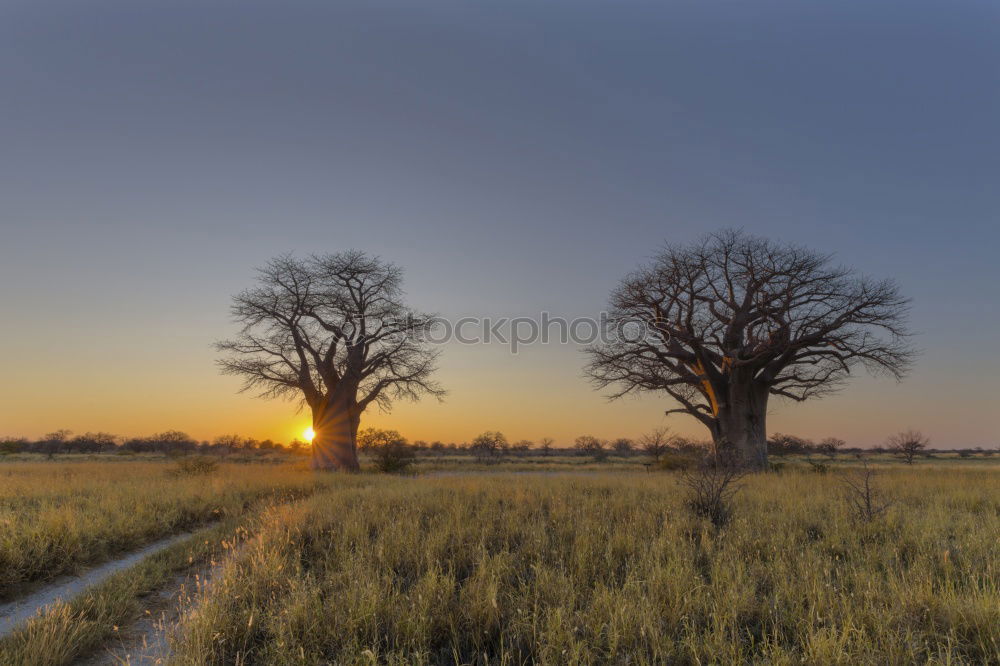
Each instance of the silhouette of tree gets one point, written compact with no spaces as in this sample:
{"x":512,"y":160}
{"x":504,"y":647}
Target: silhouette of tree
{"x":623,"y":446}
{"x":831,"y":445}
{"x":656,"y":443}
{"x":333,"y":332}
{"x":490,"y":446}
{"x":908,"y":444}
{"x":732,"y":320}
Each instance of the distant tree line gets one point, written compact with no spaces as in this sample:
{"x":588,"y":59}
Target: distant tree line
{"x":172,"y":442}
{"x":488,"y":447}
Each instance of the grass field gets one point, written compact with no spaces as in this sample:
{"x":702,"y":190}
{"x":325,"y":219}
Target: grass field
{"x":57,"y":516}
{"x":590,"y":567}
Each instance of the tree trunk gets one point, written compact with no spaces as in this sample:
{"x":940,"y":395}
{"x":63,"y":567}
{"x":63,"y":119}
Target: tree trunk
{"x":335,"y":441}
{"x":741,"y":424}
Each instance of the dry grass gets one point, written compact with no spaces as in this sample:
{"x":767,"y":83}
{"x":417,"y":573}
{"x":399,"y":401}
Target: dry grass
{"x":584,"y":567}
{"x":612,"y":569}
{"x":58,"y":516}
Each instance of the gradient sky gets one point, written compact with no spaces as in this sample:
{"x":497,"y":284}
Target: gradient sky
{"x":513,"y":157}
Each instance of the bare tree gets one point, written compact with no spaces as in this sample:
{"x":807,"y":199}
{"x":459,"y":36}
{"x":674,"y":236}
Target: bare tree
{"x":712,"y":486}
{"x":333,"y":332}
{"x":623,"y":446}
{"x":656,"y":443}
{"x":724,"y":324}
{"x":908,"y":444}
{"x":545,"y":445}
{"x":865,"y":499}
{"x":591,"y":445}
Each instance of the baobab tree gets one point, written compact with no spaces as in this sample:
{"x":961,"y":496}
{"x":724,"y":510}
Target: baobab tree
{"x":723,"y":325}
{"x":331,"y":331}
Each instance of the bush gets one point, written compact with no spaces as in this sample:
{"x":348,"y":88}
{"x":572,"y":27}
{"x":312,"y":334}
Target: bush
{"x":865,"y":499}
{"x":10,"y":446}
{"x":196,"y":466}
{"x":592,"y":446}
{"x":712,"y":488}
{"x":672,"y":460}
{"x":393,"y":457}
{"x":818,"y":466}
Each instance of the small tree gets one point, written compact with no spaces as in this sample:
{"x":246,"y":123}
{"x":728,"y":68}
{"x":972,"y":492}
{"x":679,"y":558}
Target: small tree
{"x":490,"y":446}
{"x":9,"y":445}
{"x":92,"y":442}
{"x":522,"y":445}
{"x":623,"y":446}
{"x":228,"y":443}
{"x":908,"y":444}
{"x":863,"y":497}
{"x":372,"y":438}
{"x":545,"y":445}
{"x":592,"y":446}
{"x":831,"y":446}
{"x":656,"y":443}
{"x":54,"y":442}
{"x":389,"y":450}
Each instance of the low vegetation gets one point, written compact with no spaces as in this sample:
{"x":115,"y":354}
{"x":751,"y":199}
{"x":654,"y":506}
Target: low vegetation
{"x":613,"y":569}
{"x":684,"y":561}
{"x":57,"y":517}
{"x":73,"y":628}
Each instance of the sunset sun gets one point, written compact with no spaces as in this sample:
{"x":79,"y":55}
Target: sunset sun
{"x":308,"y":434}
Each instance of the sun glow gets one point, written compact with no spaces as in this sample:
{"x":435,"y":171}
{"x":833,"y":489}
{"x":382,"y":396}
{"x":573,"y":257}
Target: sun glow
{"x":308,"y":434}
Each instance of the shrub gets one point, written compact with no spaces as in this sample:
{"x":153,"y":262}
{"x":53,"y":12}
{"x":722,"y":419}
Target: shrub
{"x":864,"y":498}
{"x":783,"y":445}
{"x":831,"y":445}
{"x":196,"y":466}
{"x":9,"y":446}
{"x":623,"y":446}
{"x":672,"y":460}
{"x":393,"y":457}
{"x":818,"y":466}
{"x":592,"y":446}
{"x":712,"y":486}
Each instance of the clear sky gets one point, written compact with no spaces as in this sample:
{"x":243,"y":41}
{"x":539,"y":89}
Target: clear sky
{"x":513,"y":157}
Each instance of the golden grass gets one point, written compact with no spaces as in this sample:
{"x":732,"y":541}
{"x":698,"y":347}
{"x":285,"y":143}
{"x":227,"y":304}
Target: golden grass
{"x":68,"y":629}
{"x":611,"y":569}
{"x":57,"y":516}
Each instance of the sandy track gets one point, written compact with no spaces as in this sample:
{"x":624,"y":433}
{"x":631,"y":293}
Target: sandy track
{"x":15,"y":612}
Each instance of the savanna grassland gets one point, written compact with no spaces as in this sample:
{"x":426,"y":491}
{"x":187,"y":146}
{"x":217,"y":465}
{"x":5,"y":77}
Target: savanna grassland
{"x":581,"y":567}
{"x":58,"y":516}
